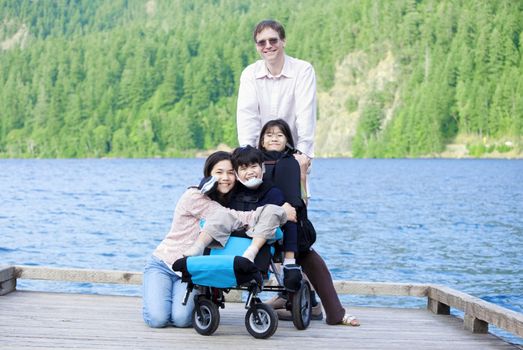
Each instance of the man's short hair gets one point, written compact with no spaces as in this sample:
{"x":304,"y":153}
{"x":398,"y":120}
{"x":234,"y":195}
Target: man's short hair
{"x":246,"y":155}
{"x":269,"y":23}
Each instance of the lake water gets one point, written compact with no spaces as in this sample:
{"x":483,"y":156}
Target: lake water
{"x":453,"y":222}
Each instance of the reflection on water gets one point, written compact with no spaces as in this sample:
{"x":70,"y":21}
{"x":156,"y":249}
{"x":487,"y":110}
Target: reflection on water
{"x":453,"y":222}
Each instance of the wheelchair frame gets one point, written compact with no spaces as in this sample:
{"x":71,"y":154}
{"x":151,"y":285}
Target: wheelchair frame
{"x":261,"y":320}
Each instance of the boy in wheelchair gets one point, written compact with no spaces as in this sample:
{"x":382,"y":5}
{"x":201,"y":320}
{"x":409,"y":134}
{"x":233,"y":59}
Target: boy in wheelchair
{"x":252,"y":192}
{"x":227,"y":270}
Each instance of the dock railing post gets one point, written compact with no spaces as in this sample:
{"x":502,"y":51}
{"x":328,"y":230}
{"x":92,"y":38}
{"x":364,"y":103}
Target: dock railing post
{"x":475,"y":325}
{"x":477,"y":313}
{"x":7,"y":279}
{"x":437,"y":307}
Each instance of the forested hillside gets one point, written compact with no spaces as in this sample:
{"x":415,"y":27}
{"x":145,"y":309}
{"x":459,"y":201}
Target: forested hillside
{"x":133,"y":78}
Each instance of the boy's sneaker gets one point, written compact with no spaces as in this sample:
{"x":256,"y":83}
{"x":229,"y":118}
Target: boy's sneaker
{"x":292,"y":277}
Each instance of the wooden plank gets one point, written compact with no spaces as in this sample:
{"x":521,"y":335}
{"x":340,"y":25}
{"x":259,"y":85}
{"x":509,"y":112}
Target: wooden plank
{"x":381,"y":288}
{"x":475,"y":308}
{"x":126,"y":277}
{"x":65,"y":321}
{"x":478,"y":312}
{"x":78,"y":275}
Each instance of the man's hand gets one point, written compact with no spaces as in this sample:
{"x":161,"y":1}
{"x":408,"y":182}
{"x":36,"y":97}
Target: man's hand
{"x":304,"y":161}
{"x":290,"y":211}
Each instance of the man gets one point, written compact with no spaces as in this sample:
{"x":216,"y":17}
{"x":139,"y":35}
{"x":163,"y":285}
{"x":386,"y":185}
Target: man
{"x":278,"y":86}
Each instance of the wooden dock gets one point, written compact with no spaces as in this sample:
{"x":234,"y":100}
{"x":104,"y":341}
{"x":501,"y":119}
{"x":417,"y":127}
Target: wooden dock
{"x":60,"y":320}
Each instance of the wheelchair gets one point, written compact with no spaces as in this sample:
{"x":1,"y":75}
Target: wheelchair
{"x":219,"y":271}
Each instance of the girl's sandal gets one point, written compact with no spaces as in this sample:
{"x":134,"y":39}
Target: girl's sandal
{"x":349,"y":320}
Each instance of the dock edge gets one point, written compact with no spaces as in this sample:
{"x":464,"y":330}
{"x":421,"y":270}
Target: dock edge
{"x":478,"y":313}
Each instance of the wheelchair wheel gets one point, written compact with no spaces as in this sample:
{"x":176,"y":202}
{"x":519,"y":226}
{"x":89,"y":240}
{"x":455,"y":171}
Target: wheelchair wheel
{"x":207,"y":322}
{"x":302,"y":307}
{"x":261,"y":321}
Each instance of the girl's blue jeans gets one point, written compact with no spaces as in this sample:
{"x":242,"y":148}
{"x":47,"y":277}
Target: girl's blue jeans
{"x":163,"y":293}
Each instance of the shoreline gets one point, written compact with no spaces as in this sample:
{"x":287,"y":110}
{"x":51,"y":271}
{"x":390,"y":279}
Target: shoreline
{"x":452,"y":151}
{"x":205,"y":154}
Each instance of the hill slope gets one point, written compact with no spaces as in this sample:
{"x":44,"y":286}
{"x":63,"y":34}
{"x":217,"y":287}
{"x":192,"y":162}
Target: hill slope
{"x":160,"y":78}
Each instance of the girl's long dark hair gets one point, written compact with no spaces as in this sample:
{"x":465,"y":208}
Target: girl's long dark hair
{"x":284,"y":127}
{"x":210,"y":162}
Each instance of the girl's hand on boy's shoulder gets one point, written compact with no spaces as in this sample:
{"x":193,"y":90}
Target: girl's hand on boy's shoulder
{"x":290,"y":211}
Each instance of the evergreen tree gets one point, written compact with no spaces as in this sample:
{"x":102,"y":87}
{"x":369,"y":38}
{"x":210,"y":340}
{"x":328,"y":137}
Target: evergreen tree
{"x":115,"y":78}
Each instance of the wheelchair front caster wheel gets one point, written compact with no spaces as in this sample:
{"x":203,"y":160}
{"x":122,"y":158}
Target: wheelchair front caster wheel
{"x":261,"y":321}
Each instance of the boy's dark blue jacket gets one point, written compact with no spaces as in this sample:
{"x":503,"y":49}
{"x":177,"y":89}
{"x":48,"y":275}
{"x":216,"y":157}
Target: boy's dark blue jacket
{"x":245,"y":199}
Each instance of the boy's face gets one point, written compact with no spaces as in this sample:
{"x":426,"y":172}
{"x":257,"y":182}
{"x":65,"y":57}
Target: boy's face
{"x":250,"y":171}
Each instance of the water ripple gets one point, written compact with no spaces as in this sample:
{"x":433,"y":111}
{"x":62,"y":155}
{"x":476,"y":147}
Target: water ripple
{"x":452,"y":222}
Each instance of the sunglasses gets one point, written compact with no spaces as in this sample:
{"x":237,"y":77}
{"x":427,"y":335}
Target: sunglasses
{"x":272,"y":41}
